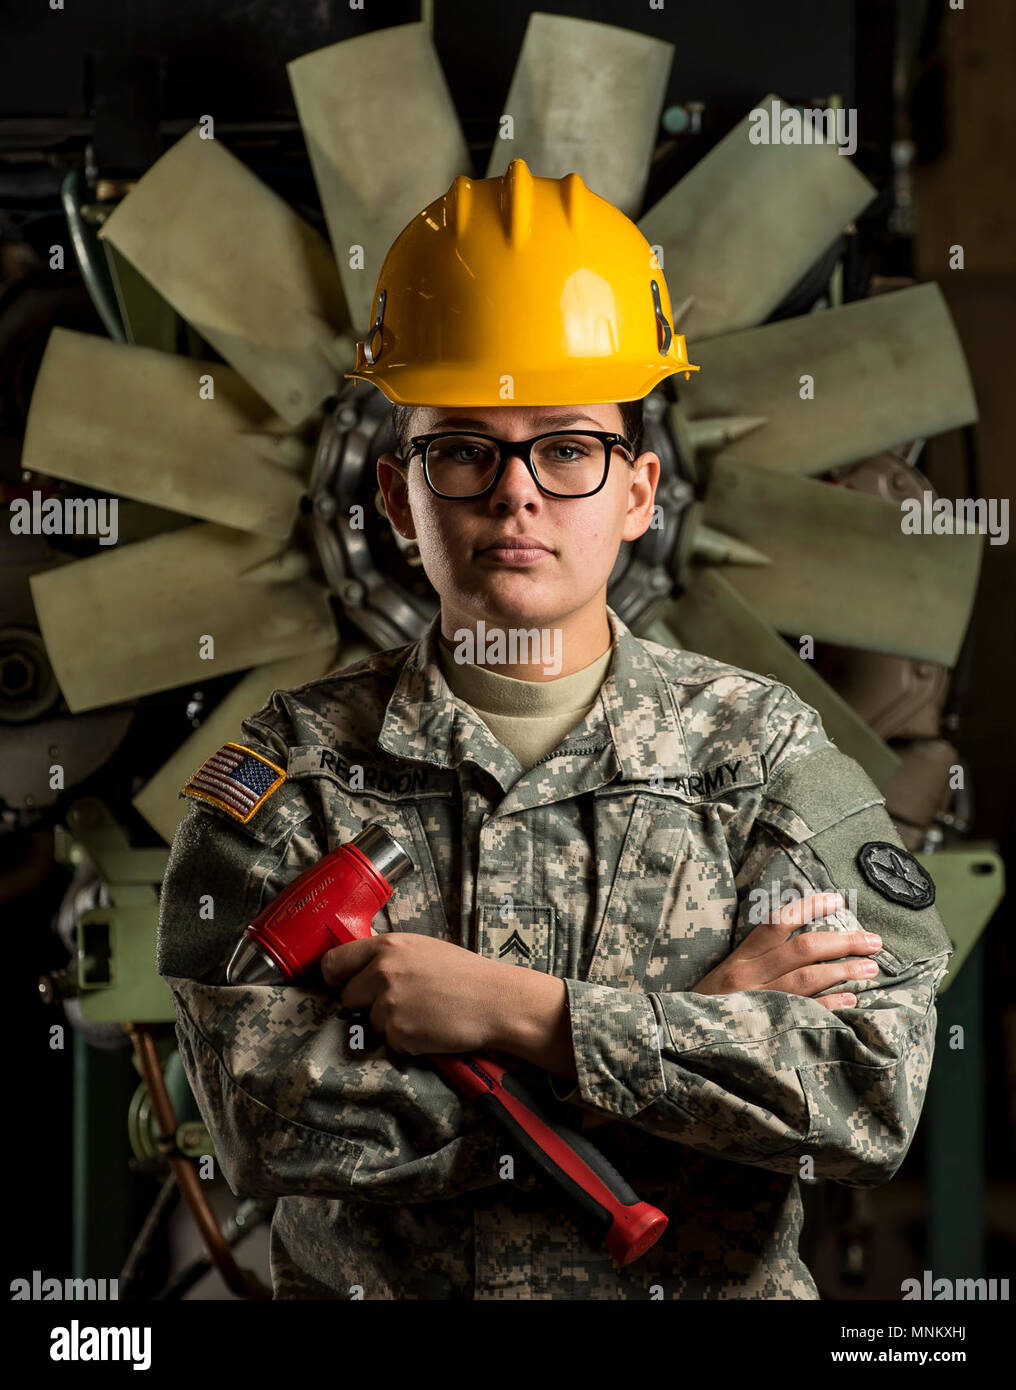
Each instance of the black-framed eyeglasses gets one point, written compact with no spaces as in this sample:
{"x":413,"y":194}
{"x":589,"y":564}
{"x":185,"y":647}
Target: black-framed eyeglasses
{"x":562,"y":463}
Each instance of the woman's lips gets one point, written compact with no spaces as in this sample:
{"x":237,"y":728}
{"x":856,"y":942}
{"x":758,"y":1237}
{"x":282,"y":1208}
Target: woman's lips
{"x":509,"y":554}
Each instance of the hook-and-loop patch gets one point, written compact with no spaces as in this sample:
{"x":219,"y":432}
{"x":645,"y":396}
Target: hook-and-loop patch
{"x":236,"y":780}
{"x":896,"y":874}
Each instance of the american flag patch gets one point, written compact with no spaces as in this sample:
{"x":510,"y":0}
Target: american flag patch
{"x":236,"y":779}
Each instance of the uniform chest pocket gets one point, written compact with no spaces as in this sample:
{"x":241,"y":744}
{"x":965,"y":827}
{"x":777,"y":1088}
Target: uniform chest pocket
{"x":518,"y":934}
{"x":646,"y":836}
{"x":416,"y":904}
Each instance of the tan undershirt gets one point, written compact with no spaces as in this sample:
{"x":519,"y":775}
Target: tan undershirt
{"x":530,"y":718}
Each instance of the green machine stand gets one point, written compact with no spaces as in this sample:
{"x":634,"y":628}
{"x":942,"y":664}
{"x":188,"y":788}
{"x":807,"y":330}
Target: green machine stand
{"x":969,"y":885}
{"x":114,"y":981}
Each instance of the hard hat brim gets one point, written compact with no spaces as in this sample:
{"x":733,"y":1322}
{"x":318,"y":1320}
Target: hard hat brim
{"x":453,"y":384}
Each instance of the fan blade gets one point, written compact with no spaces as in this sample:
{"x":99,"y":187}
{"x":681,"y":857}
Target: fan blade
{"x":844,"y":570}
{"x":745,"y":224}
{"x":137,"y":521}
{"x":132,"y":421}
{"x":233,"y":258}
{"x":135,"y":621}
{"x":159,"y":801}
{"x":712,"y":618}
{"x":374,"y":175}
{"x":148,"y":320}
{"x":886,"y":370}
{"x":713,"y":435}
{"x":574,"y":106}
{"x":711,"y":547}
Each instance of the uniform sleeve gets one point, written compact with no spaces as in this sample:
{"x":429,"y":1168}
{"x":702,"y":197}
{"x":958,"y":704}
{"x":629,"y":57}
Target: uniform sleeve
{"x":292,"y":1106}
{"x":768,"y":1078}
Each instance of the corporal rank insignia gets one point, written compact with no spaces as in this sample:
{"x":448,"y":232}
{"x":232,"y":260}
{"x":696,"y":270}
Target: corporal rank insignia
{"x":236,"y":779}
{"x":525,"y":936}
{"x":896,"y":874}
{"x":516,"y":944}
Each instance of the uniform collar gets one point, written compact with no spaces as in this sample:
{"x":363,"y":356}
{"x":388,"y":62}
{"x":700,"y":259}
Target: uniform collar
{"x":634,"y":727}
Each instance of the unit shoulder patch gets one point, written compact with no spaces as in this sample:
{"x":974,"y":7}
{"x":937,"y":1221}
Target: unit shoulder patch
{"x":896,"y":874}
{"x":236,"y":780}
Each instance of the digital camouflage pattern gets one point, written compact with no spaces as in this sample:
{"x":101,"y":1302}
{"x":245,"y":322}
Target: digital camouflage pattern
{"x":625,"y":862}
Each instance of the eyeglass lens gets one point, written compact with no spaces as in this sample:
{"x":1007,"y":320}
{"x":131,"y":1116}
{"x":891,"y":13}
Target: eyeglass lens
{"x":569,"y":463}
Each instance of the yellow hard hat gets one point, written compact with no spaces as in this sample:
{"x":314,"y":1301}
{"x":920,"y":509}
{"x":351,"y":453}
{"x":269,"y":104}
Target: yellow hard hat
{"x":520,"y":291}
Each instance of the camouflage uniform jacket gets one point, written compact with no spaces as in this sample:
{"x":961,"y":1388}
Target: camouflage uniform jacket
{"x":629,"y":859}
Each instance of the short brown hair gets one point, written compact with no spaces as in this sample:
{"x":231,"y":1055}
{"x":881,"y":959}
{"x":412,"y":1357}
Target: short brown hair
{"x":631,"y":425}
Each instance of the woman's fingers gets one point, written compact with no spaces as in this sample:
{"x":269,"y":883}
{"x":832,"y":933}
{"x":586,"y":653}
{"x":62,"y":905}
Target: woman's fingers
{"x":814,"y":977}
{"x":772,"y":957}
{"x":794,"y":963}
{"x":806,"y":909}
{"x":837,"y":1001}
{"x":775,"y":930}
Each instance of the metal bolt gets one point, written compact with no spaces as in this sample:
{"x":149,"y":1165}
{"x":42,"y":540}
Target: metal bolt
{"x":695,"y":109}
{"x":190,"y":1137}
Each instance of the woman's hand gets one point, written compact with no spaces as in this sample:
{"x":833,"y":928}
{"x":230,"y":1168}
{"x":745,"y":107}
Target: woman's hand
{"x":770,"y":958}
{"x":423,"y":994}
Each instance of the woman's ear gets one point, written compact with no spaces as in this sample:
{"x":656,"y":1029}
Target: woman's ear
{"x":641,"y":495}
{"x":392,"y":478}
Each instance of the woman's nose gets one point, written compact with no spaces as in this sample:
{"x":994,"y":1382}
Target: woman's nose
{"x":516,"y":476}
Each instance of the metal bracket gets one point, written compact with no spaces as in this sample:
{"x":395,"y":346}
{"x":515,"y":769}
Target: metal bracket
{"x":663,"y":328}
{"x":375,"y":330}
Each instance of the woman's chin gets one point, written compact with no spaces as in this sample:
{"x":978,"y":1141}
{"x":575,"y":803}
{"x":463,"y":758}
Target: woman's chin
{"x":517,"y":593}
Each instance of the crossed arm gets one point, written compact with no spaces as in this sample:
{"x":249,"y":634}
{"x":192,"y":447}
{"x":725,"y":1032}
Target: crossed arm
{"x":426,"y":995}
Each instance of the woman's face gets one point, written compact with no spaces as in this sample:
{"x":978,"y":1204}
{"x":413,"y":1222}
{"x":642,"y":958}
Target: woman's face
{"x":581,"y":536}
